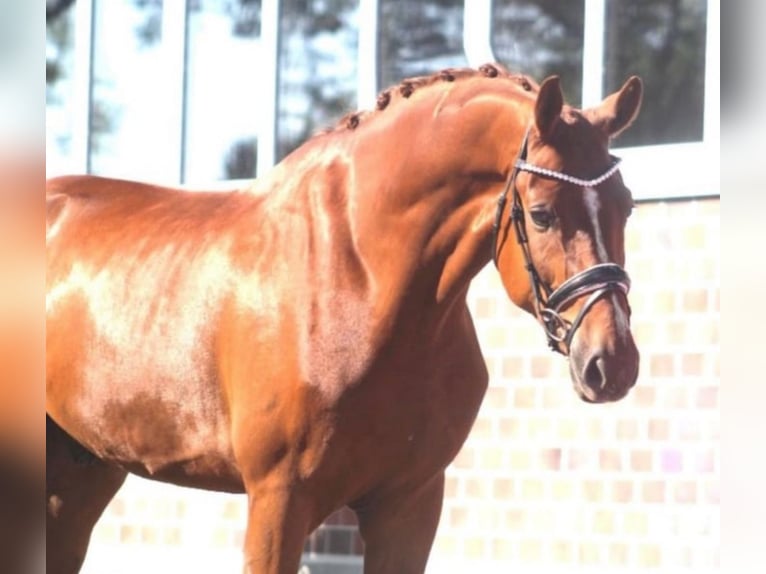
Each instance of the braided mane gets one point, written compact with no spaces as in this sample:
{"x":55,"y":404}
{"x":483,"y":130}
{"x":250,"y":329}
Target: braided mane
{"x":410,"y":85}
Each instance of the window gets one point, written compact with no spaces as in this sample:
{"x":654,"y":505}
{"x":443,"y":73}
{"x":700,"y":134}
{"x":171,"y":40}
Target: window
{"x":541,"y":39}
{"x":418,"y":38}
{"x":663,"y":42}
{"x":59,"y":96}
{"x":130,"y":93}
{"x":594,"y":45}
{"x":317,"y":67}
{"x":201,"y":90}
{"x":222,"y":92}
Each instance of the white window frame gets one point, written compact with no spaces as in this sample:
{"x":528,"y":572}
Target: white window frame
{"x":652,"y":171}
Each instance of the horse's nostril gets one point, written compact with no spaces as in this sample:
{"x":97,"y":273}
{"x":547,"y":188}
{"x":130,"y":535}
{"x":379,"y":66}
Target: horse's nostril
{"x":594,"y":375}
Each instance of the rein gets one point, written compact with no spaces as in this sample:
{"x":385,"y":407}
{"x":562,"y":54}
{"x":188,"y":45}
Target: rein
{"x":597,"y":280}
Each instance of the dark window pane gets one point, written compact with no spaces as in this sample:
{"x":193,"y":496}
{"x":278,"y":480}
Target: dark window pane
{"x":419,"y":38}
{"x":541,"y":38}
{"x":663,"y":41}
{"x":317,"y":68}
{"x":223,"y":90}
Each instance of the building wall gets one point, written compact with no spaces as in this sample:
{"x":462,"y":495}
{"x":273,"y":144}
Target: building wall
{"x":546,"y":479}
{"x":545,"y":482}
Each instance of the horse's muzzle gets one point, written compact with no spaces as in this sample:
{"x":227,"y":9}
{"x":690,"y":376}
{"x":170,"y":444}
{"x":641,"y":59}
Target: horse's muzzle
{"x":604,"y":373}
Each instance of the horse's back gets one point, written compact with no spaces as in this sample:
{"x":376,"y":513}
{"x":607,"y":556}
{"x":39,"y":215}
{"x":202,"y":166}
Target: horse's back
{"x":108,"y":201}
{"x":95,"y":188}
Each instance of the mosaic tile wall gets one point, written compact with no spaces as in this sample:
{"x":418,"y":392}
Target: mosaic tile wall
{"x":544,"y":482}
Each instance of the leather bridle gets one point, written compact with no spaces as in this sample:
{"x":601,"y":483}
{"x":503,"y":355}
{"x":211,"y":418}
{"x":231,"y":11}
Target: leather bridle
{"x":595,"y":281}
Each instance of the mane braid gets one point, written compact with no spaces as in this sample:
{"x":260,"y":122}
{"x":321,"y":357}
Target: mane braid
{"x":408,"y":86}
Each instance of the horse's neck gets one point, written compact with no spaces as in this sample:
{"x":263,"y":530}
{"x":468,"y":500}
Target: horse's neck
{"x":429,"y":211}
{"x":405,"y":201}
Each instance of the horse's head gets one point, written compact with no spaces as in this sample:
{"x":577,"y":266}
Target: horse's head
{"x":559,"y":242}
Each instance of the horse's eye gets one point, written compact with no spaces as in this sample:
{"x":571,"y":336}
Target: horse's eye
{"x":542,"y":218}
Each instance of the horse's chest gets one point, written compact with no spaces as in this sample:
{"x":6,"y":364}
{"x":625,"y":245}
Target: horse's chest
{"x":413,"y":413}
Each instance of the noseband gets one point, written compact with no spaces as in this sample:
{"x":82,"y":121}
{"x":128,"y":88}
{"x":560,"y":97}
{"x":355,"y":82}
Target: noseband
{"x":596,"y":280}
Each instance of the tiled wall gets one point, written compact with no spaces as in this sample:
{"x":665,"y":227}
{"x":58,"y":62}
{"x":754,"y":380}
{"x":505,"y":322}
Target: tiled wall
{"x":544,"y":482}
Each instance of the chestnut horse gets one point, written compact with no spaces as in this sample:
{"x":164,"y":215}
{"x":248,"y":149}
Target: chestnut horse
{"x":306,"y":340}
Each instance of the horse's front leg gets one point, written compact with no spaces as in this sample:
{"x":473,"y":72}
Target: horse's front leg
{"x":279,"y":505}
{"x":276,"y":530}
{"x":398,"y":528}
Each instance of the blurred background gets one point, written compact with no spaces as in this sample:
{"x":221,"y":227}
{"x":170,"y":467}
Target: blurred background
{"x":206,"y":91}
{"x":22,"y":287}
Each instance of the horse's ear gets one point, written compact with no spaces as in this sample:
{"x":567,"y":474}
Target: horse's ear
{"x":619,"y":110}
{"x":550,"y":100}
